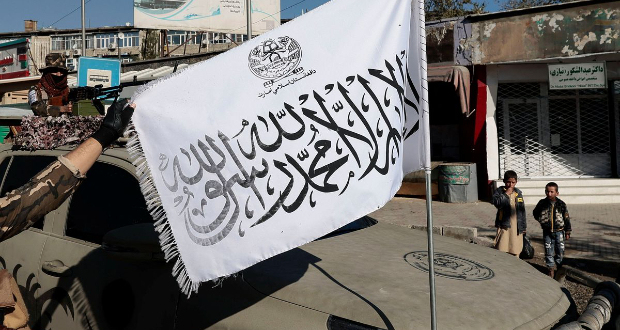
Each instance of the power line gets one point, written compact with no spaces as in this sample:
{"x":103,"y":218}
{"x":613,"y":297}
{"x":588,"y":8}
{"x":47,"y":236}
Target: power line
{"x":239,"y":28}
{"x":73,"y":11}
{"x":291,"y":6}
{"x":287,"y":8}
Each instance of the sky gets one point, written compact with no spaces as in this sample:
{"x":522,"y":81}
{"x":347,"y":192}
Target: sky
{"x":66,"y":14}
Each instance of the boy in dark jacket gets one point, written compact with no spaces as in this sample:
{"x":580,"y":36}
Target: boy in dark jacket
{"x":510,"y":219}
{"x":552,"y":214}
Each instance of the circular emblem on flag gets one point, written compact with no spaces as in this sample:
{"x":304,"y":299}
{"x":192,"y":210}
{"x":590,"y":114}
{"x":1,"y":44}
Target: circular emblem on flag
{"x":275,"y":58}
{"x":451,"y":266}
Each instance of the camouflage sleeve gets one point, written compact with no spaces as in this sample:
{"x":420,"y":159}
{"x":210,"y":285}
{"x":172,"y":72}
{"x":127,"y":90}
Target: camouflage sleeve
{"x":39,"y":106}
{"x":22,"y":207}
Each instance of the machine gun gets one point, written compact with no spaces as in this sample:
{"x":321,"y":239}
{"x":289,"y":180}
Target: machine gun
{"x":98,"y":93}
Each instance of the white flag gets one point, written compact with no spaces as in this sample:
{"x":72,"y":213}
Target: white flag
{"x":281,"y":140}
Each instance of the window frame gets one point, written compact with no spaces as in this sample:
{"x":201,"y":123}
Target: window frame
{"x":71,"y":41}
{"x":47,"y":222}
{"x":123,"y":165}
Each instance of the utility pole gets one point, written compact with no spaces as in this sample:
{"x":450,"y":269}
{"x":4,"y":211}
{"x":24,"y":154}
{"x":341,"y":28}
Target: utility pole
{"x":119,"y":37}
{"x":248,"y":10}
{"x":83,"y":30}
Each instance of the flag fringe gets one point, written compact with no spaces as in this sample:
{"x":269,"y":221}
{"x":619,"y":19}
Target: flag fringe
{"x":155,"y":208}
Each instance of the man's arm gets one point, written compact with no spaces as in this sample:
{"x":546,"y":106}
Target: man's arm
{"x":85,"y":155}
{"x":40,"y":108}
{"x":22,"y":207}
{"x":54,"y":184}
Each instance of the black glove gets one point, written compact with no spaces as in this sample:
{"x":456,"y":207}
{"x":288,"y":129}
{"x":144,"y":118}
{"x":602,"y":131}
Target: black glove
{"x":114,"y":123}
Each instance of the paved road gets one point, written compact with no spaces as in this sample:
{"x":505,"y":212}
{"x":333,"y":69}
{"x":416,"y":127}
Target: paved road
{"x":596,"y":227}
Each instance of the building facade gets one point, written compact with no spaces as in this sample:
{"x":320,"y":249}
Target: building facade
{"x":24,"y":52}
{"x":522,"y":118}
{"x":126,"y":43}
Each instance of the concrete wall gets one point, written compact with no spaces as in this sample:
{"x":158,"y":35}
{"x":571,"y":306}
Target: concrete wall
{"x":39,"y":47}
{"x":167,"y":61}
{"x":440,"y":42}
{"x":541,"y":33}
{"x":194,"y":49}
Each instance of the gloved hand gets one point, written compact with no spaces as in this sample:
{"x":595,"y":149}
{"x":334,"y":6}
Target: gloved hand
{"x":114,"y":123}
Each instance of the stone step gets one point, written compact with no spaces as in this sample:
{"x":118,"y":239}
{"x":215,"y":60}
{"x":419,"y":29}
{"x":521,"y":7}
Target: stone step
{"x":578,"y":199}
{"x":572,"y":190}
{"x":595,"y":182}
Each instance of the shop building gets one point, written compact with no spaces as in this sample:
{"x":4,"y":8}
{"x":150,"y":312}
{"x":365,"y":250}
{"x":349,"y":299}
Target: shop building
{"x":545,"y":91}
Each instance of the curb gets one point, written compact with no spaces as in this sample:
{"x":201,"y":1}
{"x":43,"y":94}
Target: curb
{"x":577,"y":275}
{"x":458,"y":232}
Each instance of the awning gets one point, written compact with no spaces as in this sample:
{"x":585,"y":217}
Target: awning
{"x":458,"y":76}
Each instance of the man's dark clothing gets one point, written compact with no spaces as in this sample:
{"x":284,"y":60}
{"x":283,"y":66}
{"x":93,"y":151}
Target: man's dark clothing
{"x":41,"y":102}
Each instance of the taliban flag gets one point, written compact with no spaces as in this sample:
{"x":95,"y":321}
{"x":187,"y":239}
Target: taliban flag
{"x":282,"y":139}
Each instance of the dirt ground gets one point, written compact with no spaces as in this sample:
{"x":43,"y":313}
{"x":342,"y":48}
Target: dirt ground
{"x":580,"y":292}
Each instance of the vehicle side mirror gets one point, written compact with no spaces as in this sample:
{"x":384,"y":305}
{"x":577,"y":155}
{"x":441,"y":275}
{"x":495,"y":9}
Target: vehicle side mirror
{"x":137,"y":242}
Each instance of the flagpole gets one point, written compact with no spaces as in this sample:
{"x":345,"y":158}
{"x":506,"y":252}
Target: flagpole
{"x":427,"y":167}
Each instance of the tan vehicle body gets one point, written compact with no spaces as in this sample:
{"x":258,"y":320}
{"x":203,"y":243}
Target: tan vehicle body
{"x":95,"y":263}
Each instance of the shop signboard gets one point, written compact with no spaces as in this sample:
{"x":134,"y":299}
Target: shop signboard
{"x":14,"y":59}
{"x":93,"y":71}
{"x":577,"y":75}
{"x":454,"y":174}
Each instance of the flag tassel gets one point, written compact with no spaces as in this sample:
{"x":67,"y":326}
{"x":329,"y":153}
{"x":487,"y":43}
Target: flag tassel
{"x":155,"y":208}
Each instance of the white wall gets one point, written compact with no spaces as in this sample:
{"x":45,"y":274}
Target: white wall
{"x":492,"y":141}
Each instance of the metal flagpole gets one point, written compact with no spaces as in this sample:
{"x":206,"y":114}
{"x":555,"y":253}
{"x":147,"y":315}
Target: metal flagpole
{"x":248,"y":10}
{"x":427,"y":166}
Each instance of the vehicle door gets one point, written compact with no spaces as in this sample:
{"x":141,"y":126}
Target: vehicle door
{"x":20,"y":255}
{"x":92,"y":287}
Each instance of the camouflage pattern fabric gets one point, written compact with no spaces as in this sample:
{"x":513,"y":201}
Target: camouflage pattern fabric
{"x":22,"y":207}
{"x":55,"y":60}
{"x":38,"y":100}
{"x":46,"y":133}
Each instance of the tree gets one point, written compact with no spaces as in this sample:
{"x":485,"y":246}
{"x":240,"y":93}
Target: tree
{"x":438,"y":9}
{"x":520,"y":4}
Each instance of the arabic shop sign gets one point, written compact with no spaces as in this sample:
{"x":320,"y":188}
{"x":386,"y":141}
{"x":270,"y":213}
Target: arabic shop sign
{"x":577,"y":75}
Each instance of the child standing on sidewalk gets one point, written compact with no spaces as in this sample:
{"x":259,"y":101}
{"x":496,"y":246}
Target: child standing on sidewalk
{"x":510,"y":218}
{"x":552,"y":214}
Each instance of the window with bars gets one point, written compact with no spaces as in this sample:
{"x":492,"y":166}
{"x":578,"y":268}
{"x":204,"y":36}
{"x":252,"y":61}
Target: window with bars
{"x":130,"y":39}
{"x":104,"y":40}
{"x":70,"y":42}
{"x":179,"y":37}
{"x":239,"y":38}
{"x":218,"y":38}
